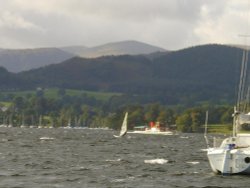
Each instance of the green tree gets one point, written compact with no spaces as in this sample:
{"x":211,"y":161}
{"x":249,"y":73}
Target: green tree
{"x":197,"y":119}
{"x":19,"y":103}
{"x":39,"y":92}
{"x":86,"y":115}
{"x":184,"y":123}
{"x":136,"y":117}
{"x":226,"y":117}
{"x":171,"y":117}
{"x":162,"y":117}
{"x":152,"y":112}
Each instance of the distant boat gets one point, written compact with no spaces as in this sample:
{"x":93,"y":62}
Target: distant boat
{"x":32,"y":123}
{"x":69,"y":126}
{"x":232,"y":156}
{"x":10,"y":122}
{"x":149,"y":131}
{"x":23,"y":123}
{"x":4,"y":124}
{"x":124,"y":127}
{"x":153,"y":129}
{"x":40,"y":122}
{"x":32,"y":126}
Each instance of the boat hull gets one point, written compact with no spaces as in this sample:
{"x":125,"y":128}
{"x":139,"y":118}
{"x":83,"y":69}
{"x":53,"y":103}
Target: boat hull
{"x":229,"y":161}
{"x":153,"y":132}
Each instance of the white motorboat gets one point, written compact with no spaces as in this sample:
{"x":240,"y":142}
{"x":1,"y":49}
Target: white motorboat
{"x":153,"y":129}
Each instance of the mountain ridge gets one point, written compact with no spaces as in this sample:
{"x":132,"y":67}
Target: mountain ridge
{"x":129,"y":47}
{"x":17,"y":60}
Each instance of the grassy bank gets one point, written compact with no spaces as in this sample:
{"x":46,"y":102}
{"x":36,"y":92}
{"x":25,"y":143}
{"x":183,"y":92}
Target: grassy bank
{"x":217,"y":128}
{"x":53,"y":93}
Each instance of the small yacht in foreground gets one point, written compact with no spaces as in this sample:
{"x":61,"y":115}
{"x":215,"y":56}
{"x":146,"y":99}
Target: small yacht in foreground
{"x":232,"y":156}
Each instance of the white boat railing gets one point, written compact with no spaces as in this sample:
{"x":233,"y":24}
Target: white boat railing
{"x":217,"y":142}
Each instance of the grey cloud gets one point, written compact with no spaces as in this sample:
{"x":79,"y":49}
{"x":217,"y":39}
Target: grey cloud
{"x":171,"y":24}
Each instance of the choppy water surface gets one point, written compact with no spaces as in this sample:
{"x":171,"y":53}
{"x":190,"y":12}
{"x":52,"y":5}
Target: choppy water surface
{"x":72,"y":158}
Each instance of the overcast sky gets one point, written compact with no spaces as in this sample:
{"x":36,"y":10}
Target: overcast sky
{"x":171,"y":24}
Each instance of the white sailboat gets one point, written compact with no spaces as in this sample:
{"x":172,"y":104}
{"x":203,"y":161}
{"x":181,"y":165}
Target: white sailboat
{"x":124,"y":126}
{"x":233,"y":155}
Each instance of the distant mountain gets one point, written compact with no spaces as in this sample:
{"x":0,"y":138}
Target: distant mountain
{"x":18,"y":60}
{"x":116,"y":48}
{"x":201,"y":73}
{"x":77,"y":50}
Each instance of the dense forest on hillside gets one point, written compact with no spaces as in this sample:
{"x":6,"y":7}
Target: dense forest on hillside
{"x":203,"y":73}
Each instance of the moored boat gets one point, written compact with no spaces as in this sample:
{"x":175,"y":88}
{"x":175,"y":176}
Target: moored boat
{"x":232,"y":156}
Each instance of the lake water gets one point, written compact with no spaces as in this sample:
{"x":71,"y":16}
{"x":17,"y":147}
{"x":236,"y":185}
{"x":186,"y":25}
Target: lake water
{"x":84,"y":158}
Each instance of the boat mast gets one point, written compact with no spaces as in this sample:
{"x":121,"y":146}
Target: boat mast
{"x":243,"y":75}
{"x":246,"y":105}
{"x":234,"y":122}
{"x":241,"y":106}
{"x":205,"y":132}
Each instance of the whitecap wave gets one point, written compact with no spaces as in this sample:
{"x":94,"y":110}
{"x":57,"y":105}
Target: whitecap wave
{"x":47,"y":138}
{"x":204,"y":149}
{"x":118,"y":180}
{"x":113,"y":160}
{"x":193,"y":162}
{"x":156,"y":161}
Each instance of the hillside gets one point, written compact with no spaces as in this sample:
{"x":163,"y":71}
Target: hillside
{"x":202,"y":73}
{"x":116,"y":48}
{"x":18,"y":60}
{"x":11,"y":81}
{"x":76,"y":50}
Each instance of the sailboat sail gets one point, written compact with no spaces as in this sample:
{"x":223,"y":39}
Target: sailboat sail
{"x":124,"y":129}
{"x":124,"y":125}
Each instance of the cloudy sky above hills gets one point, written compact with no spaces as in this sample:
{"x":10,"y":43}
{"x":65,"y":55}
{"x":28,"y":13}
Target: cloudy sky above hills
{"x":171,"y":24}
